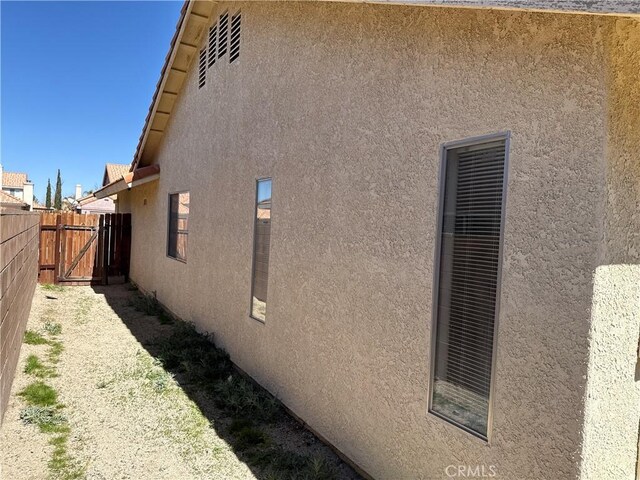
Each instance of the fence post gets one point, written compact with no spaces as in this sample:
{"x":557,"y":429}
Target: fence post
{"x":105,"y":249}
{"x":56,"y":268}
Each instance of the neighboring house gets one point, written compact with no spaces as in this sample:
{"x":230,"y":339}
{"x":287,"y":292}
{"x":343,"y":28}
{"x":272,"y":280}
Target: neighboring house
{"x":39,"y":207}
{"x":17,"y":185}
{"x":452,"y":282}
{"x":91,"y":204}
{"x":112,"y":173}
{"x":10,"y":201}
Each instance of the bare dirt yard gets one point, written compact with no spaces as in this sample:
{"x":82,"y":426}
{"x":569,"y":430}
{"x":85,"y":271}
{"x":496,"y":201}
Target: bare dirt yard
{"x":109,"y":386}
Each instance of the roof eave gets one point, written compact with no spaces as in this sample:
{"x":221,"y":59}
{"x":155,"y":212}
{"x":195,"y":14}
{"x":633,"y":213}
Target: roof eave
{"x":188,"y":17}
{"x":130,"y":180}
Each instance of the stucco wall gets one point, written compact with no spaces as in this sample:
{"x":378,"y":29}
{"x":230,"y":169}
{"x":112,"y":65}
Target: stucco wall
{"x":612,"y":397}
{"x":345,"y":106}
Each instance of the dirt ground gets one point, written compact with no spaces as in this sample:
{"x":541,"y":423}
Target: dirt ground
{"x":128,"y":418}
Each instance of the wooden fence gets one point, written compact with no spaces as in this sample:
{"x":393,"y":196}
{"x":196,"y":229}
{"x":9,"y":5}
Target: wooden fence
{"x":18,"y":274}
{"x":81,"y":249}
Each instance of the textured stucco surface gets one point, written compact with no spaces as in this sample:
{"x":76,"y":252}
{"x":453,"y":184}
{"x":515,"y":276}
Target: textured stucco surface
{"x":612,"y":401}
{"x":345,"y":106}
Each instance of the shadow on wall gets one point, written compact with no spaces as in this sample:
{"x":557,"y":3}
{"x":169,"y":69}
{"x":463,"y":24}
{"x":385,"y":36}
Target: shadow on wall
{"x":262,"y":435}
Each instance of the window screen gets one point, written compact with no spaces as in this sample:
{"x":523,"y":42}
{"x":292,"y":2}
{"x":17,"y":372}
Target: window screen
{"x":178,"y":225}
{"x":468,"y":281}
{"x":261,"y":242}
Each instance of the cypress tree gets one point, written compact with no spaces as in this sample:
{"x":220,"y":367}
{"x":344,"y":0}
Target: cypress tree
{"x":48,"y":197}
{"x":57,"y":199}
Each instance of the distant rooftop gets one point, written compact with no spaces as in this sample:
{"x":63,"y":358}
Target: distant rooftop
{"x":11,"y":179}
{"x":114,"y":171}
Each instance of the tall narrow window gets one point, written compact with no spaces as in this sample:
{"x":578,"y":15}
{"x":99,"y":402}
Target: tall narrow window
{"x":234,"y":44}
{"x":468,"y":281}
{"x":202,"y":68}
{"x":223,"y":27}
{"x":261,"y":241}
{"x":213,"y":48}
{"x":178,"y":226}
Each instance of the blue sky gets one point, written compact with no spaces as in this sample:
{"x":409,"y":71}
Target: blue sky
{"x":76,"y":83}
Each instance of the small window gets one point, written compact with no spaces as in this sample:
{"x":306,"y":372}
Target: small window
{"x":261,"y":242}
{"x":213,"y":45}
{"x":178,"y":226}
{"x":234,"y":44}
{"x":468,"y":281}
{"x":223,"y":27}
{"x":202,"y":68}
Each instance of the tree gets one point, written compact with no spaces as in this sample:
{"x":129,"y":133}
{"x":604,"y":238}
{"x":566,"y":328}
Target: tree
{"x":57,"y":199}
{"x":48,"y":197}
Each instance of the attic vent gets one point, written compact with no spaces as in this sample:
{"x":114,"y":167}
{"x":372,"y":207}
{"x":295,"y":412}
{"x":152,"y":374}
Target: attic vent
{"x":213,"y":39}
{"x":234,"y":44}
{"x":202,"y":68}
{"x":223,"y":25}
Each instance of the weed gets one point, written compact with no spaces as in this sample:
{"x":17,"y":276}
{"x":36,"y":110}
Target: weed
{"x":34,"y":338}
{"x":104,"y":383}
{"x":50,"y":287}
{"x":46,"y":418}
{"x":239,"y":396}
{"x":248,"y":437}
{"x":39,"y":393}
{"x":186,"y":351}
{"x":83,"y":306}
{"x":238,"y":424}
{"x":278,"y":463}
{"x":165,"y":319}
{"x":53,"y":328}
{"x":62,"y":465}
{"x":55,"y":351}
{"x":159,"y":379}
{"x":146,"y":304}
{"x":35,"y":367}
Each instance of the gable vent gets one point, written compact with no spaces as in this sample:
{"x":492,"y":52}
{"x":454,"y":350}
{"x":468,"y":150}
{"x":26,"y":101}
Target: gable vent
{"x":234,"y":46}
{"x":202,"y":68}
{"x":213,"y":44}
{"x":223,"y":27}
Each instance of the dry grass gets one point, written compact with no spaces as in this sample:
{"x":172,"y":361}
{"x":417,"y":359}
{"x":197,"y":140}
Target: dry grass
{"x":123,"y":390}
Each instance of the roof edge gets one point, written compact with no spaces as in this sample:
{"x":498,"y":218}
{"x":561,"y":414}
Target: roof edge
{"x":594,"y":7}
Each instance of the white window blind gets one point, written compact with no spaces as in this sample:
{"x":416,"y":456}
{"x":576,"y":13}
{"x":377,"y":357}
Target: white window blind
{"x":468,"y":282}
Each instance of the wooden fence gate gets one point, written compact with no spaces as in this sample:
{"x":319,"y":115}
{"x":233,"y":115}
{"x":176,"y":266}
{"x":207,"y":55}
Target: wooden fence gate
{"x":84,"y":249}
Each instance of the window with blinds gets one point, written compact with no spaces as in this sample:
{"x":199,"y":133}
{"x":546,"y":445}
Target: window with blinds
{"x":178,"y":226}
{"x":261,"y":243}
{"x":223,"y":33}
{"x":202,"y":68}
{"x":468,"y":279}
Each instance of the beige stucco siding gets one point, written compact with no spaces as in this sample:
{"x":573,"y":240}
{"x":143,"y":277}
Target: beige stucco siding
{"x":346,"y":107}
{"x":612,"y":398}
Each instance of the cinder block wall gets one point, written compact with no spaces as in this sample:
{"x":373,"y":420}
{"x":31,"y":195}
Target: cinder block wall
{"x":18,"y":275}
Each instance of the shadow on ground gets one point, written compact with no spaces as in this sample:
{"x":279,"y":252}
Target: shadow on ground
{"x":262,"y":435}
